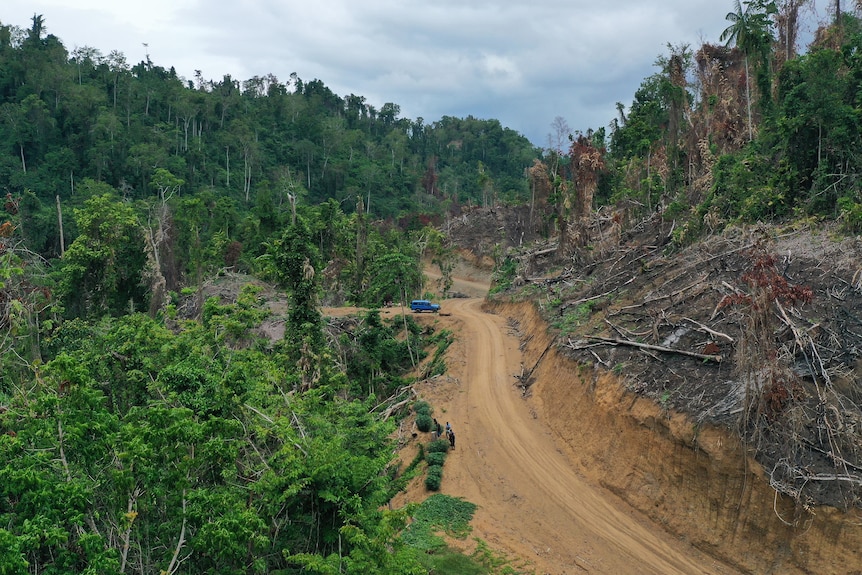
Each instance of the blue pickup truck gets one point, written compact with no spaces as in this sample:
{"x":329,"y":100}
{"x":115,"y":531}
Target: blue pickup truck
{"x":420,"y":305}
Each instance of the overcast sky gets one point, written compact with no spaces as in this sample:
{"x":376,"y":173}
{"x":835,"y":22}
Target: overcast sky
{"x":522,"y":62}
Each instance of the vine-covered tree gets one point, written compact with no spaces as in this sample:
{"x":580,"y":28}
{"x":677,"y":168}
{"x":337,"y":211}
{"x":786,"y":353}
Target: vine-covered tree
{"x":297,"y":264}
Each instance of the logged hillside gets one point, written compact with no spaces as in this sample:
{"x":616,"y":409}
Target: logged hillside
{"x":756,"y":329}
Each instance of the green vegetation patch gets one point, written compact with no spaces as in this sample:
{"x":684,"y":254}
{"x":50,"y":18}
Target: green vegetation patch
{"x":435,"y":458}
{"x":439,"y":513}
{"x":437,"y":365}
{"x":422,"y":407}
{"x":424,"y":422}
{"x":399,"y":482}
{"x":452,"y":563}
{"x":434,"y":477}
{"x":574,"y":317}
{"x":438,"y":446}
{"x":491,"y":561}
{"x":503,"y":275}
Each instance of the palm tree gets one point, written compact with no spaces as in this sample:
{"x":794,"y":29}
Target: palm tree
{"x":751,"y":31}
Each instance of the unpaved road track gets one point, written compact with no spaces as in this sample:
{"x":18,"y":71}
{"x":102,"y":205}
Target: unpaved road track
{"x":532,"y":503}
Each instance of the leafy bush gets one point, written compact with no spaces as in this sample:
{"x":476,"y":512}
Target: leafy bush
{"x":424,"y":422}
{"x":851,"y":214}
{"x":437,"y":366}
{"x":574,"y":318}
{"x":450,"y":561}
{"x":438,"y":446}
{"x":422,"y":407}
{"x":398,"y":482}
{"x":378,"y":356}
{"x":433,"y":477}
{"x":504,"y":274}
{"x":435,"y":458}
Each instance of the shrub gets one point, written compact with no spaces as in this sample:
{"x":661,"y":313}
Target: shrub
{"x":433,"y":478}
{"x":438,"y":446}
{"x":422,"y":407}
{"x":424,"y":422}
{"x":851,"y":214}
{"x":435,"y":458}
{"x":437,"y":366}
{"x":503,"y":276}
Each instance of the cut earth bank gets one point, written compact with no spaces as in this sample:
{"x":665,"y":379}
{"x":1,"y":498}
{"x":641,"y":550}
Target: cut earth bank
{"x":581,"y":476}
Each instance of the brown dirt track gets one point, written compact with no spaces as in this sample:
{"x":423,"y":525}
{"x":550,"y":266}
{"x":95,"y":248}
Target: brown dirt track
{"x":534,"y":505}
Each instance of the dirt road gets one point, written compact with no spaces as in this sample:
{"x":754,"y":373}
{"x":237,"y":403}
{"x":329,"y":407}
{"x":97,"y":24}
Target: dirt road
{"x":532,"y":503}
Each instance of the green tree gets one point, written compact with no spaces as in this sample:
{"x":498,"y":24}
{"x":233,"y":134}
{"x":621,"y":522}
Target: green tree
{"x":818,"y":135}
{"x":101,"y":271}
{"x":392,"y":277}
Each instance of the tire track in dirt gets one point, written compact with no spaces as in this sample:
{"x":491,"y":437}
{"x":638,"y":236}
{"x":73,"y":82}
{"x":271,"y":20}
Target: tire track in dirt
{"x":532,"y":502}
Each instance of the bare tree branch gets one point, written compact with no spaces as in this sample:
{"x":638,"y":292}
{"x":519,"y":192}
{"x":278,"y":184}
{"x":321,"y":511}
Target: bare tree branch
{"x":615,"y":341}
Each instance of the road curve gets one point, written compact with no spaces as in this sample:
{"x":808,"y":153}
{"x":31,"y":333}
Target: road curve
{"x":531,"y":499}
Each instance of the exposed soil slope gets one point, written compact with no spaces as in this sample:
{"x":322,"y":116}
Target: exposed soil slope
{"x":755,"y":329}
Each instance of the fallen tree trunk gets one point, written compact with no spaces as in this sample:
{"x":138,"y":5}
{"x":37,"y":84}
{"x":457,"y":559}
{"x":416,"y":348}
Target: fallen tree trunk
{"x":616,"y":341}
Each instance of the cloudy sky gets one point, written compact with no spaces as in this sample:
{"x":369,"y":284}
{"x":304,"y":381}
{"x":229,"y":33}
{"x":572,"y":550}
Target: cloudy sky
{"x":524,"y":63}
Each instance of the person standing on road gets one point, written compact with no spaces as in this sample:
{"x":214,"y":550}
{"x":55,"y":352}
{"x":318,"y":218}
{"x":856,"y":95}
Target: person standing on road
{"x":438,"y":429}
{"x":451,"y":438}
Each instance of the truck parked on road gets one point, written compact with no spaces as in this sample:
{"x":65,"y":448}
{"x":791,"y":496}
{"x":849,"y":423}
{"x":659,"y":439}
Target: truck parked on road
{"x":420,"y":305}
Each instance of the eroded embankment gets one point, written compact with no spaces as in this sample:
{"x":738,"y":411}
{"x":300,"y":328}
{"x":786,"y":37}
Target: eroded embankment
{"x":695,"y":481}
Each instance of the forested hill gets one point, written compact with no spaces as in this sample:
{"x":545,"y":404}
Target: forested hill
{"x":146,"y":427}
{"x":244,"y":146}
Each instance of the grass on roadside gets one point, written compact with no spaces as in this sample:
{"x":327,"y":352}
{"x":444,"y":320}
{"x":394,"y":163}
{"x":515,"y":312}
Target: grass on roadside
{"x":450,"y":516}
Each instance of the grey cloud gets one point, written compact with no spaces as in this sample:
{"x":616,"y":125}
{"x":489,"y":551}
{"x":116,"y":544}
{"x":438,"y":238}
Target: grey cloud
{"x":523,"y":63}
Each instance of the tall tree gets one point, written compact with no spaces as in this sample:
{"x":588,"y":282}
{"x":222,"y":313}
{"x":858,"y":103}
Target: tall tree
{"x":540,"y":188}
{"x":102,"y":268}
{"x":673,"y":86}
{"x":751,"y":31}
{"x":587,"y":163}
{"x":392,"y":277}
{"x":296,"y":257}
{"x":161,"y":238}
